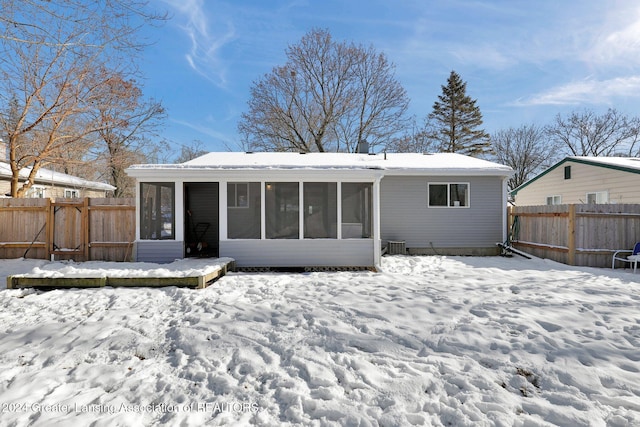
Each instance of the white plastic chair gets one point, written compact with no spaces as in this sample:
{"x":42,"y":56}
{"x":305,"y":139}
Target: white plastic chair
{"x":633,"y":258}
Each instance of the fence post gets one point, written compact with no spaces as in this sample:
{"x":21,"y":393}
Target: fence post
{"x":84,"y":223}
{"x":48,"y":221}
{"x":571,"y":234}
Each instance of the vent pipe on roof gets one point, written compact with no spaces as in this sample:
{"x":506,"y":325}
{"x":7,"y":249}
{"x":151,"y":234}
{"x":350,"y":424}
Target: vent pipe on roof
{"x":363,"y":147}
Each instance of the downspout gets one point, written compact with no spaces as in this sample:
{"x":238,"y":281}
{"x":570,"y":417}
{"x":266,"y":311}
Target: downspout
{"x":505,"y":205}
{"x":377,"y":243}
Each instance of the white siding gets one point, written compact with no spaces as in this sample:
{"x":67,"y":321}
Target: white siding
{"x":161,"y":251}
{"x":300,"y":253}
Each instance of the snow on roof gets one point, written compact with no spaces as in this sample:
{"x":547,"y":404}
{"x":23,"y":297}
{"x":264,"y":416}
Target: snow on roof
{"x":48,"y":176}
{"x":622,"y":162}
{"x":450,"y":163}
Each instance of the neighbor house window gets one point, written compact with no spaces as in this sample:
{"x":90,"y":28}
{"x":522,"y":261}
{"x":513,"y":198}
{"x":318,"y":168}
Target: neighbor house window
{"x":567,"y":172}
{"x":157,"y":210}
{"x":320,"y":210}
{"x":71,"y":194}
{"x":357,"y":208}
{"x":36,"y":192}
{"x":598,"y":197}
{"x":238,"y":195}
{"x":449,"y":195}
{"x":243,"y":223}
{"x":282,"y":210}
{"x":554,"y":200}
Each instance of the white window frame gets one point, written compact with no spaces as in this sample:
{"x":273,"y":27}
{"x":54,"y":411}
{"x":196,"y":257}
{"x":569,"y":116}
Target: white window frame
{"x":553,"y":200}
{"x":600,"y":195}
{"x":37,"y":192}
{"x":235,"y":196}
{"x":448,"y":205}
{"x":71,"y":193}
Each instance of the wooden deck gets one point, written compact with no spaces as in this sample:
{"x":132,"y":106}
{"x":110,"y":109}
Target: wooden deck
{"x":196,"y":281}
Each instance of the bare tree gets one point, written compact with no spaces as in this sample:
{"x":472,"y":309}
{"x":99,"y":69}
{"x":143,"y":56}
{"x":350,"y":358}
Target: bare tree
{"x":524,"y":149}
{"x":327,"y":97}
{"x":52,"y":60}
{"x":415,"y":139}
{"x":127,"y":129}
{"x":112,"y":24}
{"x":589,"y":134}
{"x":191,"y":151}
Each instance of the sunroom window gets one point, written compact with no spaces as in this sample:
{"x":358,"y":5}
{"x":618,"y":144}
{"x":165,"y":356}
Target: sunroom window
{"x":243,"y":223}
{"x":320,"y":210}
{"x":282,"y":210}
{"x":157,"y":210}
{"x":357,"y":208}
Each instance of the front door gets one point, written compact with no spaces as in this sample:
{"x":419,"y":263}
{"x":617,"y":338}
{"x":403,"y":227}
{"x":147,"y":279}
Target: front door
{"x":201,"y":219}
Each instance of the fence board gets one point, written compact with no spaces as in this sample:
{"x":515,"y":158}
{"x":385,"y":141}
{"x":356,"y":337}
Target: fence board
{"x":586,"y":238}
{"x":79,"y":229}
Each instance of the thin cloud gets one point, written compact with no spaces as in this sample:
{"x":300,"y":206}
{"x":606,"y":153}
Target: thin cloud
{"x":203,"y":55}
{"x":588,"y":91}
{"x":226,"y":139}
{"x":619,"y":42}
{"x":489,"y":56}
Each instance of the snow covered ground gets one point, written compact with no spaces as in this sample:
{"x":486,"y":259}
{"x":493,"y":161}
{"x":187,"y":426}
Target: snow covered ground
{"x":440,"y":341}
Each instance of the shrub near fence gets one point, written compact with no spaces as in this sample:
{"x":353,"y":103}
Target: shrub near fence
{"x":583,"y":235}
{"x":79,"y":229}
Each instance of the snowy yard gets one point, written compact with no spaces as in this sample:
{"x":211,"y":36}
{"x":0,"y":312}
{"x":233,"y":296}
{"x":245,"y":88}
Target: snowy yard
{"x":445,"y":341}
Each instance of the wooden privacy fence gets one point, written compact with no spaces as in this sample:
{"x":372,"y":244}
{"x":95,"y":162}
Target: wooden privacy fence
{"x":79,"y":229}
{"x":583,"y":235}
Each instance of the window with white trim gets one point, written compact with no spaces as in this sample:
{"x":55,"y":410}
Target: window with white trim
{"x":598,"y":197}
{"x":357,"y":210}
{"x":448,"y":195}
{"x":36,"y":192}
{"x":320,"y":210}
{"x":71,"y":193}
{"x":157,"y":210}
{"x":282,"y":210}
{"x":554,"y":200}
{"x":238,"y":195}
{"x":243,"y":210}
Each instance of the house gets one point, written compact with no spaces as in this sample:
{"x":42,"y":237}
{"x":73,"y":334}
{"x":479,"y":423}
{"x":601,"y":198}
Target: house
{"x":578,"y":180}
{"x":53,"y":184}
{"x":318,"y":209}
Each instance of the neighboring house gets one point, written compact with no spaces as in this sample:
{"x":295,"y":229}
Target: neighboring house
{"x":578,"y":180}
{"x":53,"y":184}
{"x":318,"y":209}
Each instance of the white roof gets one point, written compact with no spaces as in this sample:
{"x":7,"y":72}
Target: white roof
{"x":47,"y":176}
{"x":624,"y":162}
{"x":391,"y":163}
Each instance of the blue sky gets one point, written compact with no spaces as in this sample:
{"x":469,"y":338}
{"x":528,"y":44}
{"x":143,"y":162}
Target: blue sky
{"x":524,"y":61}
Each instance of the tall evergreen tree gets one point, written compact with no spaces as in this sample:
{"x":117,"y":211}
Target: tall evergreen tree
{"x":456,"y":120}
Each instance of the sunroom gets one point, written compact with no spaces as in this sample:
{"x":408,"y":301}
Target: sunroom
{"x":276,"y":217}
